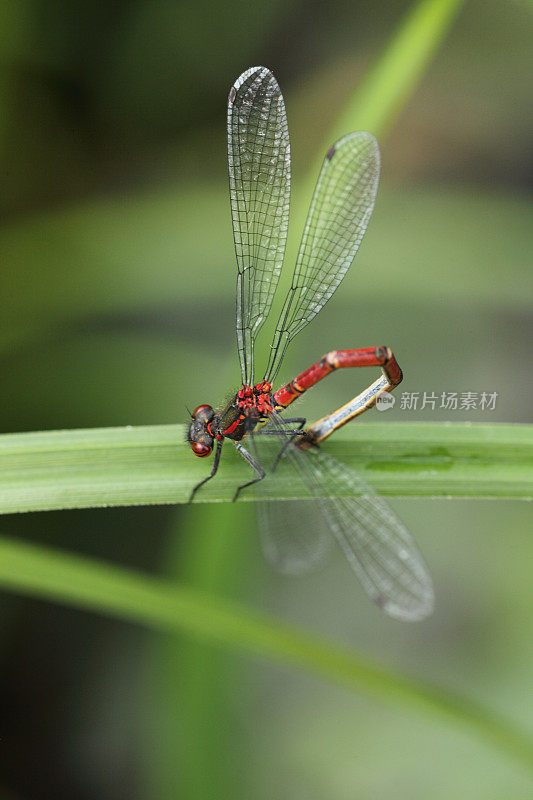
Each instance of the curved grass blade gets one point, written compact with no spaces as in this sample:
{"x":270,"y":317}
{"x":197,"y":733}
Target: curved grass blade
{"x":152,"y":464}
{"x":118,"y":592}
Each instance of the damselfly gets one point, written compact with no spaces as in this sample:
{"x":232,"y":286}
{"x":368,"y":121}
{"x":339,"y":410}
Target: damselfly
{"x":340,"y":505}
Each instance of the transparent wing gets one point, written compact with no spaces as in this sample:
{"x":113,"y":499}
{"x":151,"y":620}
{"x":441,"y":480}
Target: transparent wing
{"x":259,"y":182}
{"x":294,"y":539}
{"x":378,"y":546}
{"x":340,"y":211}
{"x":376,"y":543}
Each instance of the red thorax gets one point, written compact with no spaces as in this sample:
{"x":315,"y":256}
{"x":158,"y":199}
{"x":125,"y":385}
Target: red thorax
{"x":257,"y":396}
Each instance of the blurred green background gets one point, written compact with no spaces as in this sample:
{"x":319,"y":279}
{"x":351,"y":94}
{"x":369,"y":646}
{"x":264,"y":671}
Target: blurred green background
{"x":117,"y":308}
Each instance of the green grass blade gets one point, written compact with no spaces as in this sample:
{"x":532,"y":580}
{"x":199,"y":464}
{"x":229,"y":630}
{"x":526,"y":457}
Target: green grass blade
{"x":153,"y":464}
{"x":85,"y":583}
{"x":216,"y":560}
{"x":388,"y":85}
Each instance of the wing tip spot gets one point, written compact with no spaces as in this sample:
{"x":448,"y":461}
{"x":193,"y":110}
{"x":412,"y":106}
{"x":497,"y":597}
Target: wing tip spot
{"x":232,"y":94}
{"x":331,"y":152}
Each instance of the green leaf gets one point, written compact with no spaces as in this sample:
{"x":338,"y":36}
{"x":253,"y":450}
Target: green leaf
{"x":154,"y":464}
{"x":85,"y":583}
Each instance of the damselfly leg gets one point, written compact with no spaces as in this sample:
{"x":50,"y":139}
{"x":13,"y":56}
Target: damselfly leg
{"x":214,"y":469}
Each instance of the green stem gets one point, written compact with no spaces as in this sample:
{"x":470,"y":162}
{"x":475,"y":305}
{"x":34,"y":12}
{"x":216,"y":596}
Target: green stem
{"x":214,"y":558}
{"x":84,"y":583}
{"x":392,"y":79}
{"x":388,"y":85}
{"x":154,"y":464}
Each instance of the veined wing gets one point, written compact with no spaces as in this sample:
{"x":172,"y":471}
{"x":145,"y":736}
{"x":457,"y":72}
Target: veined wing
{"x":338,"y":217}
{"x":259,"y":182}
{"x":294,"y":537}
{"x":378,"y":546}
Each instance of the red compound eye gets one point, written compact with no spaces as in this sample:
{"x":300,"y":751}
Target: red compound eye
{"x":201,"y":450}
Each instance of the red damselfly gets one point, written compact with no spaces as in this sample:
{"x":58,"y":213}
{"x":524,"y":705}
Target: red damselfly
{"x":341,"y":505}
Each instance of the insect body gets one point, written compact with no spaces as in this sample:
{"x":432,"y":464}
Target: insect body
{"x":375,"y":541}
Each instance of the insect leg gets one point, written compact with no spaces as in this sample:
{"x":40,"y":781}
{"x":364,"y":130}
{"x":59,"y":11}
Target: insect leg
{"x":216,"y":462}
{"x":298,"y":421}
{"x":291,"y":436}
{"x":254,"y":464}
